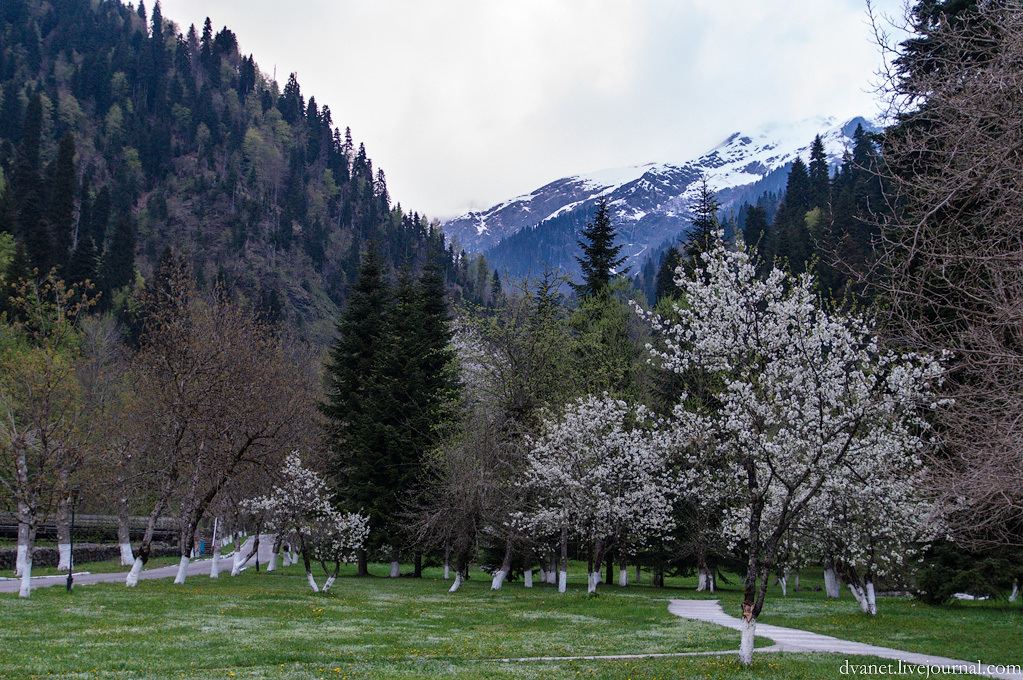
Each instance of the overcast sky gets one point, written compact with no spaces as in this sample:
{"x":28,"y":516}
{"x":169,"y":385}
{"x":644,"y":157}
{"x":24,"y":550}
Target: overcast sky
{"x":465,"y":103}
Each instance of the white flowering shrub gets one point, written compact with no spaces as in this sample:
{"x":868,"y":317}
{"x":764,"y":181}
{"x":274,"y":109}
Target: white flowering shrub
{"x":298,"y":510}
{"x":805,"y":395}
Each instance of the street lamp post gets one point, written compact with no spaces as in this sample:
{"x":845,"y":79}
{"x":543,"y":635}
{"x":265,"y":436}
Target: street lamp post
{"x":71,"y":558}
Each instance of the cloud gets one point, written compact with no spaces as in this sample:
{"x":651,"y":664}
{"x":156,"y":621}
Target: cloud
{"x":467,"y":102}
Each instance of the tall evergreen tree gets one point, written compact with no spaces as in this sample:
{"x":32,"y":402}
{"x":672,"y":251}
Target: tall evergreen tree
{"x":666,"y":274}
{"x":701,"y":237}
{"x":62,"y":200}
{"x":819,"y":175}
{"x":793,"y":237}
{"x":600,"y":259}
{"x":354,"y":386}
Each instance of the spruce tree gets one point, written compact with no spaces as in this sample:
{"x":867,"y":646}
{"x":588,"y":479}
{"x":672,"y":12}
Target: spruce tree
{"x":705,"y":223}
{"x":353,"y":406}
{"x":62,"y":200}
{"x":600,"y":255}
{"x":793,"y":238}
{"x":665,"y":286}
{"x":819,"y":175}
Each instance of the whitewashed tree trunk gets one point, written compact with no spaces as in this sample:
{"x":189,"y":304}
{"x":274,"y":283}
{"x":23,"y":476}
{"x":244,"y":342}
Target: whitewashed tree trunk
{"x":501,"y":574}
{"x":623,"y":577}
{"x":123,"y":531}
{"x":215,"y":562}
{"x":329,"y":582}
{"x":795,"y":580}
{"x":702,"y":583}
{"x":749,"y":631}
{"x":133,"y":576}
{"x":311,"y":581}
{"x":861,"y":597}
{"x":871,"y":599}
{"x":64,"y":563}
{"x":831,"y":586}
{"x":562,"y":581}
{"x":527,"y":578}
{"x":784,"y":580}
{"x":182,"y":570}
{"x":395,"y":569}
{"x":22,"y":559}
{"x":447,"y":570}
{"x":272,"y":565}
{"x":127,"y":558}
{"x":637,"y":573}
{"x":591,"y":585}
{"x":457,"y":584}
{"x":26,"y":579}
{"x":1015,"y":592}
{"x":498,"y":579}
{"x":543,"y":574}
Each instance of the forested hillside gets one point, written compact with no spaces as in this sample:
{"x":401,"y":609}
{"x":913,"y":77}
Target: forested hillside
{"x":123,"y":134}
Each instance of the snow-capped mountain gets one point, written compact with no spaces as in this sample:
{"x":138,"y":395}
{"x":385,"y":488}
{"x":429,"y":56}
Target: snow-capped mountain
{"x":650,"y":203}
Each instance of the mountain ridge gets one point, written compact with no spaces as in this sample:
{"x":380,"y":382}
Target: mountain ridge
{"x":650,"y":201}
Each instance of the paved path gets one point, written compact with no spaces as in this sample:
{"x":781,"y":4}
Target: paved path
{"x":195,"y":568}
{"x":793,"y":640}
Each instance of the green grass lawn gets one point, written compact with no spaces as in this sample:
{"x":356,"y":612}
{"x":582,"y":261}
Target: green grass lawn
{"x":271,"y":626}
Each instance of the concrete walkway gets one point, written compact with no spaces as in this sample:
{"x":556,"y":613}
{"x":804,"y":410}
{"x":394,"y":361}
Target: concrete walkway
{"x":200,"y":567}
{"x":793,"y":640}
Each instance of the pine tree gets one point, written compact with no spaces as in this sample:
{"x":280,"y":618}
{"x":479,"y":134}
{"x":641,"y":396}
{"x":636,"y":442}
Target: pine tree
{"x":819,"y":175}
{"x":600,"y":255}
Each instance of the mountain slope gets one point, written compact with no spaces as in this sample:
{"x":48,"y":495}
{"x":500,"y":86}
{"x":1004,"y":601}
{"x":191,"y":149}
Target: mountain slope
{"x":181,"y":141}
{"x":649,"y":202}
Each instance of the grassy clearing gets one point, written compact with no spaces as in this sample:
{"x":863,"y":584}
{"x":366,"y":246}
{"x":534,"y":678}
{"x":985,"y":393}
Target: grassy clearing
{"x":271,"y":626}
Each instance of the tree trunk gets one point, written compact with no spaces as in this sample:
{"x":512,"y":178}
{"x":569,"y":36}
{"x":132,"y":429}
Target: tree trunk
{"x":610,"y":567}
{"x":783,"y":577}
{"x":332,"y":577}
{"x":702,"y":569}
{"x":502,"y":573}
{"x":395,"y":564}
{"x":23,"y":527}
{"x":795,"y":581}
{"x":447,"y":562}
{"x":1015,"y":592}
{"x":658,"y":576}
{"x":563,"y":571}
{"x":274,"y":551}
{"x":146,"y":546}
{"x":363,"y":563}
{"x":308,"y":568}
{"x":62,"y":518}
{"x":637,"y":572}
{"x":623,"y":569}
{"x":182,"y":570}
{"x":597,"y":560}
{"x":461,"y":569}
{"x":831,"y":585}
{"x":417,"y":565}
{"x":26,"y":566}
{"x":215,"y":562}
{"x":749,"y":630}
{"x":871,"y":599}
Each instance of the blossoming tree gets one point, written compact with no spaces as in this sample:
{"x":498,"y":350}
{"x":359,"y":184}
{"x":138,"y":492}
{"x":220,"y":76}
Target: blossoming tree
{"x":298,"y":510}
{"x":804,"y":391}
{"x":598,"y":473}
